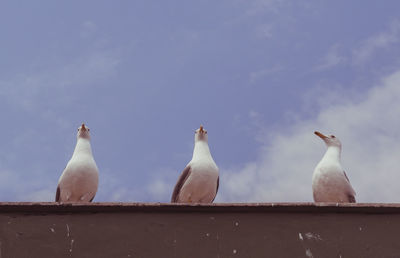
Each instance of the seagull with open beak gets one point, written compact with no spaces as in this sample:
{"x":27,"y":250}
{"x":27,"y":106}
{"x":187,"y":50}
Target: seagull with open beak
{"x":330,"y":182}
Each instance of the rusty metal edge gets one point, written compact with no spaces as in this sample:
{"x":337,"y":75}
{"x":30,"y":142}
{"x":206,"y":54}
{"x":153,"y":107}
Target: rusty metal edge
{"x":107,"y":207}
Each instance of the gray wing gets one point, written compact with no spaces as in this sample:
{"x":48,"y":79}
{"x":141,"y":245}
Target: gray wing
{"x":217,"y":190}
{"x":58,"y":194}
{"x":58,"y":187}
{"x":182,"y":179}
{"x":351,"y":196}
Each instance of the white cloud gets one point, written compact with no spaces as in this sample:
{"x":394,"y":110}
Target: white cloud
{"x":376,"y":42}
{"x":42,"y":195}
{"x":42,"y":93}
{"x":58,"y":84}
{"x":261,"y":6}
{"x":369,"y":130}
{"x":331,"y":59}
{"x":162,"y":183}
{"x":88,"y":29}
{"x":264,"y":31}
{"x":160,"y":189}
{"x":112,"y":188}
{"x":365,"y":50}
{"x":15,"y":186}
{"x":260,"y":74}
{"x":157,"y":189}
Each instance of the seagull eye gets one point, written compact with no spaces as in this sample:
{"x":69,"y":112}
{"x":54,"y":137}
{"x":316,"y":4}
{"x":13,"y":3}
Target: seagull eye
{"x":332,"y":136}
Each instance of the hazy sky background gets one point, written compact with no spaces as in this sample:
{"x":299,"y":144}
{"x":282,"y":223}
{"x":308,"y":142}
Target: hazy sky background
{"x":260,"y":75}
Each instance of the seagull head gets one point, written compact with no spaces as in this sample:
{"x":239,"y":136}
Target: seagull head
{"x":330,"y":140}
{"x":83,"y":132}
{"x":200,"y":135}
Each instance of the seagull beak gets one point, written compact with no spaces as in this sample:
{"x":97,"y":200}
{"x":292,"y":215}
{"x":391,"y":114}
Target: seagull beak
{"x":83,"y":127}
{"x":201,"y":129}
{"x":321,"y":135}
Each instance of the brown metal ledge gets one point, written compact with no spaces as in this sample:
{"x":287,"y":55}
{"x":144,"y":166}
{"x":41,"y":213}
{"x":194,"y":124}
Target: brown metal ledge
{"x":198,"y":230}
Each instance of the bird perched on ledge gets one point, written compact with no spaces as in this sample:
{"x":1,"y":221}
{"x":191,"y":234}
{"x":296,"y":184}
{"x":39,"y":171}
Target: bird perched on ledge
{"x":199,"y":181}
{"x":80,"y":178}
{"x":330,"y":182}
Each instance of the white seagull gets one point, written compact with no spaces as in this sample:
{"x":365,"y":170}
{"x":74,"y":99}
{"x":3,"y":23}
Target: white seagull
{"x":330,"y":182}
{"x":79,"y":181}
{"x":199,"y":181}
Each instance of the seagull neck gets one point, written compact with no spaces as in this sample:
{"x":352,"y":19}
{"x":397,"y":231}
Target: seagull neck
{"x":201,"y":149}
{"x":333,"y":152}
{"x":83,"y":146}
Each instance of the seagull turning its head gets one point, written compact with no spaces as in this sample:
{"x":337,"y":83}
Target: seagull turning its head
{"x":330,"y":182}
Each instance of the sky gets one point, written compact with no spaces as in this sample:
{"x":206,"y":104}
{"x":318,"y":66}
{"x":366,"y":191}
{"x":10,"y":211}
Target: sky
{"x":260,"y":75}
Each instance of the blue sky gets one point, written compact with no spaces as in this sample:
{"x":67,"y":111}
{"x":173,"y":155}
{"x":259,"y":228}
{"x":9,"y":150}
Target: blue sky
{"x":260,"y":75}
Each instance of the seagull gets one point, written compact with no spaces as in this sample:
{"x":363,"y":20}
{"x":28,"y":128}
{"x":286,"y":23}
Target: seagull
{"x":199,"y":181}
{"x":330,"y":182}
{"x":79,"y":181}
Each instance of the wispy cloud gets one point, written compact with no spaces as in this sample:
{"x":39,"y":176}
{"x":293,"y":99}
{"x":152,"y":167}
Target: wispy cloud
{"x":88,"y":29}
{"x":162,"y":184}
{"x":261,"y":6}
{"x":368,"y":128}
{"x":42,"y":195}
{"x":19,"y":187}
{"x":45,"y":94}
{"x":158,"y":188}
{"x":59,"y":83}
{"x":264,"y":31}
{"x":331,"y":59}
{"x":382,"y":40}
{"x":261,"y":74}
